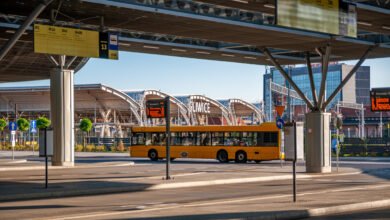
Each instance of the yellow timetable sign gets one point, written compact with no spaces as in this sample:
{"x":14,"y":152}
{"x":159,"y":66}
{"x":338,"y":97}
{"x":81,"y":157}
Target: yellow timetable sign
{"x":327,"y":16}
{"x":74,"y":42}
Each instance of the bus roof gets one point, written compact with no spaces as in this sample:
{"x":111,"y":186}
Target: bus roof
{"x":268,"y":126}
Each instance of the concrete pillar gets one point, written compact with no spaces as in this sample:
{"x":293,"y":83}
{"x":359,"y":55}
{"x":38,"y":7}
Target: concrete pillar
{"x":62,"y":116}
{"x":318,"y":151}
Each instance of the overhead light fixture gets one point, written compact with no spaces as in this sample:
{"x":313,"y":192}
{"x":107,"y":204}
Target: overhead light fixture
{"x":386,"y":27}
{"x":250,"y":58}
{"x":228,"y":55}
{"x":240,"y":1}
{"x":151,"y":47}
{"x":124,"y":44}
{"x":364,"y":23}
{"x":179,"y":50}
{"x":13,"y":32}
{"x":202,"y":52}
{"x":269,"y":6}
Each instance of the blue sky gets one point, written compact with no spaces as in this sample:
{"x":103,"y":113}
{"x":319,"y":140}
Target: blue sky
{"x":178,"y":76}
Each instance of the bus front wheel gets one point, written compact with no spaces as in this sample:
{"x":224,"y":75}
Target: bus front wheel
{"x":241,"y":157}
{"x":222,"y":156}
{"x":153,"y":155}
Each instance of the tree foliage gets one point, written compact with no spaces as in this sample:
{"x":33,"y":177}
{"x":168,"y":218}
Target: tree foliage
{"x":3,"y":124}
{"x":23,"y":124}
{"x":43,"y":122}
{"x":85,"y":124}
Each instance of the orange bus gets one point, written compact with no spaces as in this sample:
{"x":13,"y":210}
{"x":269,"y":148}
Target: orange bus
{"x":224,"y":143}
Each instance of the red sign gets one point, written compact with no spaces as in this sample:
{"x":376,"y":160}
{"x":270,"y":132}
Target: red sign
{"x":155,"y":108}
{"x":380,"y":104}
{"x":280,"y":109}
{"x":380,"y":99}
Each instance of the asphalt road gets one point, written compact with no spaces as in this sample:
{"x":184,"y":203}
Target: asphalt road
{"x":222,"y":202}
{"x":365,"y":214}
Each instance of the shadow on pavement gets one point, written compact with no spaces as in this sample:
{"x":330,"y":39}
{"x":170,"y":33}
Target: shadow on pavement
{"x":288,"y":214}
{"x":11,"y":191}
{"x":7,"y":208}
{"x":380,"y":173}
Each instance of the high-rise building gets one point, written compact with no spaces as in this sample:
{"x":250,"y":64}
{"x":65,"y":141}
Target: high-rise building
{"x":357,"y":90}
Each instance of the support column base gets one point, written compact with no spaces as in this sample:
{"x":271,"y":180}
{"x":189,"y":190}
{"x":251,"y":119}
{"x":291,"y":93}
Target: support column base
{"x":317,"y":145}
{"x":62,"y":164}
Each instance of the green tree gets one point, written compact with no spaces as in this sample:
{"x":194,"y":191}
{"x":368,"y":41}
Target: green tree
{"x":23,"y":126}
{"x":3,"y":124}
{"x":43,"y":122}
{"x":85,"y":126}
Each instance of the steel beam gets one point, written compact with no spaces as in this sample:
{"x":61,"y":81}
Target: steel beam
{"x":288,"y":78}
{"x":348,"y":77}
{"x":325,"y":62}
{"x":311,"y":77}
{"x":11,"y":42}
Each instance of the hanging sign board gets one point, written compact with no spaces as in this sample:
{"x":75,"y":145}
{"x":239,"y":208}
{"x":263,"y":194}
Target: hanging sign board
{"x":330,"y":16}
{"x":155,"y":108}
{"x":75,"y":42}
{"x":380,"y":99}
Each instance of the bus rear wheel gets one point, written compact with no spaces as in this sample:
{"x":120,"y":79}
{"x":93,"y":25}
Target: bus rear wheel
{"x":241,"y":157}
{"x":222,"y":156}
{"x":153,"y":155}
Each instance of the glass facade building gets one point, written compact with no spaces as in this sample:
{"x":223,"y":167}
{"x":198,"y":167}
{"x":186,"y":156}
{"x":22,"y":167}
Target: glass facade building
{"x":357,"y":88}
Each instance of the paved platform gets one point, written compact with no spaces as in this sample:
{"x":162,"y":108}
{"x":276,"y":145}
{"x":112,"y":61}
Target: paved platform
{"x":349,"y":189}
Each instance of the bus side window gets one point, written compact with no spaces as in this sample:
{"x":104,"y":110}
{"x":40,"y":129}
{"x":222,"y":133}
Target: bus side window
{"x":148,"y":139}
{"x":162,"y":139}
{"x":205,"y":139}
{"x":154,"y":139}
{"x":138,"y":139}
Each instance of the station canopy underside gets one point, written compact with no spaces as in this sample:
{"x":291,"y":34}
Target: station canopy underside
{"x":204,"y":29}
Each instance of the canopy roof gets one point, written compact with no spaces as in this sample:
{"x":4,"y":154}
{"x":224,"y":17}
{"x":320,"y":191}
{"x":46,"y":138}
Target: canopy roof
{"x":205,"y":29}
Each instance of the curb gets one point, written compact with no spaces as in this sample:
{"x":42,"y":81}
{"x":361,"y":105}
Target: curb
{"x":4,"y":169}
{"x":316,"y":212}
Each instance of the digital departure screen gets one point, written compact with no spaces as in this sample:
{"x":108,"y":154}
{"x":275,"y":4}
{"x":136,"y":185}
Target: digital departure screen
{"x":155,"y":108}
{"x":380,"y":99}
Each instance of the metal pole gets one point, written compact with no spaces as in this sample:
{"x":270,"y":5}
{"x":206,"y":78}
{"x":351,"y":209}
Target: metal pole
{"x":46,"y":161}
{"x":168,"y":136}
{"x":363,"y":123}
{"x":289,"y":97}
{"x":337,"y":138}
{"x":348,"y":77}
{"x":270,"y":100}
{"x":311,"y":77}
{"x":33,"y":141}
{"x":295,"y":163}
{"x":380,"y":125}
{"x":11,"y":42}
{"x":287,"y":77}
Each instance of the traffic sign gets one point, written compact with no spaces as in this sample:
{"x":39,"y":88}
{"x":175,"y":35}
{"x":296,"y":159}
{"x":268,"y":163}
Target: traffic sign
{"x":280,"y":123}
{"x":33,"y":126}
{"x":279,"y":109}
{"x":12,"y":126}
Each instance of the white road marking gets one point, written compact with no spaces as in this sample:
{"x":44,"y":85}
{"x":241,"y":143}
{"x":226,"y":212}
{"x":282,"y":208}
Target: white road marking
{"x":217,"y":202}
